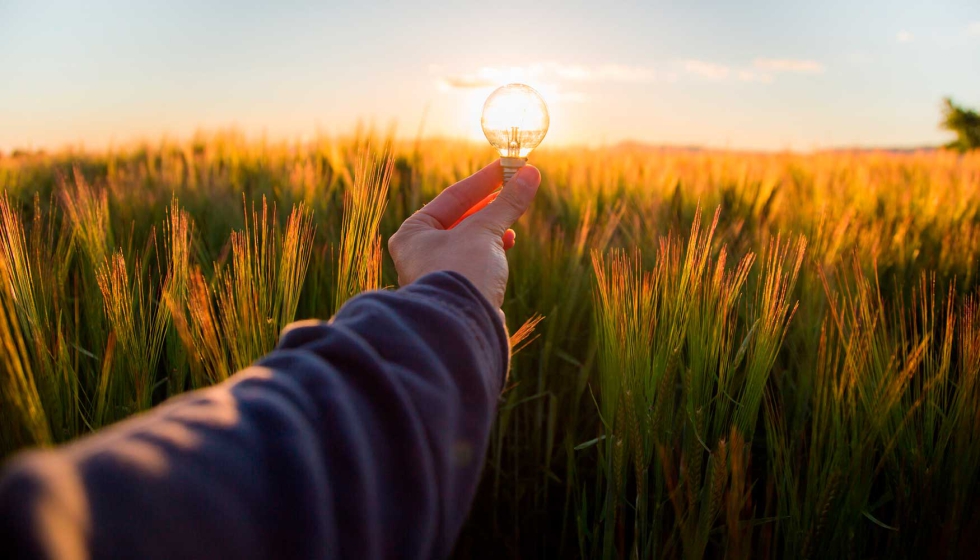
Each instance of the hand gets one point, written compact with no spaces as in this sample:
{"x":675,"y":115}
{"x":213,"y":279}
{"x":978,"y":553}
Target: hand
{"x":460,"y":230}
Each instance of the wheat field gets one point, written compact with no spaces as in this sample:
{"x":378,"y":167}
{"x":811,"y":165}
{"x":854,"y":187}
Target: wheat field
{"x":716,"y":354}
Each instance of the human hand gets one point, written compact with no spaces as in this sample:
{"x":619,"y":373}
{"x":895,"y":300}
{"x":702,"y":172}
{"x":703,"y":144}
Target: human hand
{"x":461,"y":231}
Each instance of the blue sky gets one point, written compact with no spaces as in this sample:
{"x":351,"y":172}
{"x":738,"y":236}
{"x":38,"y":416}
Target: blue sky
{"x":751,"y":74}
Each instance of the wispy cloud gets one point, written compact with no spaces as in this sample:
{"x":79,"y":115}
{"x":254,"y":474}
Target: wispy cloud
{"x":708,"y":70}
{"x":752,"y":76}
{"x":619,"y":73}
{"x":485,"y":77}
{"x":762,"y":70}
{"x":789,"y":65}
{"x":904,"y":36}
{"x":466,"y":81}
{"x":574,"y":72}
{"x":566,"y":77}
{"x":624,"y":74}
{"x":546,"y":72}
{"x":973,"y":28}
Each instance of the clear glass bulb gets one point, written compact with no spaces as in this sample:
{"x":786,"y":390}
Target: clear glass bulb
{"x":515,"y":120}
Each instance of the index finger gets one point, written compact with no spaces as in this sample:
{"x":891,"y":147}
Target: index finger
{"x":453,"y":202}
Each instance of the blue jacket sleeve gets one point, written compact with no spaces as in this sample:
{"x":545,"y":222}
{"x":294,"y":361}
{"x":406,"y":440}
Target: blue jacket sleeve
{"x":363,"y":437}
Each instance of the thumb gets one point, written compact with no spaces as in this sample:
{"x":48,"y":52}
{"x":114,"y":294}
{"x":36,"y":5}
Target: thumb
{"x":513,"y":200}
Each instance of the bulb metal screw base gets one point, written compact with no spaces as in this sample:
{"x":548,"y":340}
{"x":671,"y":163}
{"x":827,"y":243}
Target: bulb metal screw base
{"x":511,"y":165}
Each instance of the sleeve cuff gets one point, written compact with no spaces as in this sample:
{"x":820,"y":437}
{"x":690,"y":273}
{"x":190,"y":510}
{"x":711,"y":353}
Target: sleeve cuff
{"x":451,"y":289}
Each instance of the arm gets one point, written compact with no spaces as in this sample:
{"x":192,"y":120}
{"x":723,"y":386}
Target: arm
{"x":359,"y":438}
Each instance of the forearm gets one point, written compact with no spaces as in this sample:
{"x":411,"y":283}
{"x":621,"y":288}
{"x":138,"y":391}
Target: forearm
{"x":363,"y":437}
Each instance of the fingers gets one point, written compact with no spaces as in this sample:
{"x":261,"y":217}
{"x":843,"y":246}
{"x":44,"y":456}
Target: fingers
{"x":509,"y":239}
{"x":476,"y":208}
{"x":451,"y":204}
{"x":511,"y":203}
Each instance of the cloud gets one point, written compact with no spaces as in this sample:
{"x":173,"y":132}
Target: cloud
{"x":751,"y":76}
{"x":904,"y":36}
{"x":763,"y":70}
{"x":543,"y":71}
{"x":707,"y":70}
{"x":973,"y":28}
{"x":618,"y":73}
{"x":567,"y":77}
{"x":466,"y":81}
{"x":574,"y":73}
{"x":789,"y":65}
{"x":625,"y":74}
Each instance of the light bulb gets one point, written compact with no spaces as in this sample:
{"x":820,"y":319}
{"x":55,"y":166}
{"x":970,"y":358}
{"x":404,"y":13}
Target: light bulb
{"x":515,"y":120}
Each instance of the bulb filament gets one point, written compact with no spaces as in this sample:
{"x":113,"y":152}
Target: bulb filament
{"x":514,"y":145}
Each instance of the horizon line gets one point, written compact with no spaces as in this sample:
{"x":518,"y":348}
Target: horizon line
{"x":372,"y":131}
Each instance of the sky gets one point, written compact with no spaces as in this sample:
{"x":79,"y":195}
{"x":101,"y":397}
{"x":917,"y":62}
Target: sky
{"x":771,"y":75}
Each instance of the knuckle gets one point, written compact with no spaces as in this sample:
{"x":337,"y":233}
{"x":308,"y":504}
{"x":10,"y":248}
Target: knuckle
{"x":512,"y":204}
{"x":395,"y":242}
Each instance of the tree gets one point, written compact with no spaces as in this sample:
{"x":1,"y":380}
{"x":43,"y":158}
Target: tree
{"x":965,"y":123}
